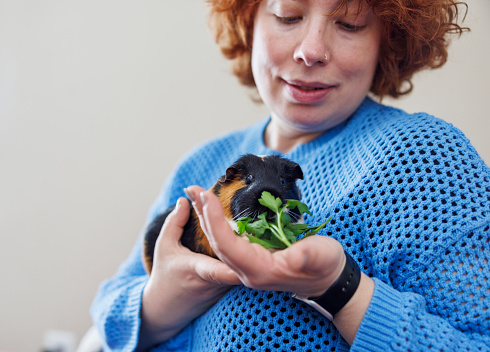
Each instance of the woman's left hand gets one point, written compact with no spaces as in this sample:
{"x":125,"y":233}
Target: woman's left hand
{"x":309,"y":267}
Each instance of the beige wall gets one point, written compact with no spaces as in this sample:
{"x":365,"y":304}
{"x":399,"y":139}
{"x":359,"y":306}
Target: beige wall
{"x":98,"y":100}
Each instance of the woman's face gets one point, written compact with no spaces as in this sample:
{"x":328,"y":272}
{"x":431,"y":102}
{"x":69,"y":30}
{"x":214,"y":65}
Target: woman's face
{"x":313,"y":70}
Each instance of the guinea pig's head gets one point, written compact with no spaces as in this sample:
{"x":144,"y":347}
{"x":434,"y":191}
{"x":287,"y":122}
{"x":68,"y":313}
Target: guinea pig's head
{"x":243,"y":183}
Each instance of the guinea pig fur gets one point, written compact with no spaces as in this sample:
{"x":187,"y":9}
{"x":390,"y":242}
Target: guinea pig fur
{"x":239,"y":190}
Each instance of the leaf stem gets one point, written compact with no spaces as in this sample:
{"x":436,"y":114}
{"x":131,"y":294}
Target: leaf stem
{"x":280,"y":235}
{"x":279,"y":230}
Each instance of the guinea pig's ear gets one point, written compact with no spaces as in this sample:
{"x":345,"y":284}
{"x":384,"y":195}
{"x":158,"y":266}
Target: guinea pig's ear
{"x":229,"y":175}
{"x":295,"y":170}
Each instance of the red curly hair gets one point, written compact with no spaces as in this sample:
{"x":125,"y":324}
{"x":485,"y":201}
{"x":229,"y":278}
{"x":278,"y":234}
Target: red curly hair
{"x":414,"y":37}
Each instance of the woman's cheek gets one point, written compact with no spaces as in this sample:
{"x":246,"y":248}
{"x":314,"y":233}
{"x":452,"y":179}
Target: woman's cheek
{"x":355,"y":64}
{"x":277,"y":53}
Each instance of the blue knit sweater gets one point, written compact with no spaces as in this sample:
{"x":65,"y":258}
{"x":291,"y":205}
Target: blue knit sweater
{"x":409,"y":197}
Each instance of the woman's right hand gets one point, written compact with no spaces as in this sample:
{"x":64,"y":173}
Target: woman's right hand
{"x":182,"y":285}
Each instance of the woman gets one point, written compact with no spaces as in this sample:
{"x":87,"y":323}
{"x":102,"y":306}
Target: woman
{"x":408,"y":194}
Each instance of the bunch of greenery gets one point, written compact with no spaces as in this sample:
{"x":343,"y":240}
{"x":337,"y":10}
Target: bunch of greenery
{"x":280,"y":232}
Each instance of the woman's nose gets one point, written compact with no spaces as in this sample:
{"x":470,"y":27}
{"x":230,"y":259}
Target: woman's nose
{"x":312,"y":48}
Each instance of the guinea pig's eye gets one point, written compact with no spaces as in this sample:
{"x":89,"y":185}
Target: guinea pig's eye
{"x":283,"y":181}
{"x":249,"y":179}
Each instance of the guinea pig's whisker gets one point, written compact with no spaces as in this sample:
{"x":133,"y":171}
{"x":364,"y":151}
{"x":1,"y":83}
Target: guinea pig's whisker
{"x":295,"y":217}
{"x":244,"y":213}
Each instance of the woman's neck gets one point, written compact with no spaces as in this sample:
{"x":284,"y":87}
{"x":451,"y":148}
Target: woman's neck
{"x":283,"y":138}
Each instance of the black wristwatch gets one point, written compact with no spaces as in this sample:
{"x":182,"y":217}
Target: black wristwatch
{"x":341,"y":291}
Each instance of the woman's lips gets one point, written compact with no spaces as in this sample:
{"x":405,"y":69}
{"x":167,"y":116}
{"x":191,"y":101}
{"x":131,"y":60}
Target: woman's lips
{"x":307,"y":92}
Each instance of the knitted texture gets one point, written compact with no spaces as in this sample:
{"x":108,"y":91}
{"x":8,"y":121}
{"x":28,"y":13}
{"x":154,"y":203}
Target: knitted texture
{"x":409,"y":197}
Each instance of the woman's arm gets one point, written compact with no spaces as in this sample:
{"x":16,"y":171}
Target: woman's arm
{"x":182,"y":286}
{"x":375,"y":316}
{"x":443,"y":306}
{"x":134,"y":312}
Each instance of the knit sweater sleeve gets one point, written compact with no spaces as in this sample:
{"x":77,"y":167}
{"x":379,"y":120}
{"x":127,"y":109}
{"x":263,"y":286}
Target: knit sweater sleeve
{"x":116,"y":307}
{"x":442,"y":308}
{"x":429,"y":248}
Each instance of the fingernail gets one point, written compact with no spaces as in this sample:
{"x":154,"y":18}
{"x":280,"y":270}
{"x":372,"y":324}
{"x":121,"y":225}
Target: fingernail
{"x":177,"y":206}
{"x":203,"y":199}
{"x":189,"y":195}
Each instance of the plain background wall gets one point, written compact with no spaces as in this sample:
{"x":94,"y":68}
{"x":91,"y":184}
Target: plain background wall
{"x":98,"y":101}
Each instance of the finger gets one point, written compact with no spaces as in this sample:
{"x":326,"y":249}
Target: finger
{"x":215,"y":222}
{"x":212,"y":270}
{"x":173,"y":227}
{"x":193,"y":193}
{"x":314,"y":255}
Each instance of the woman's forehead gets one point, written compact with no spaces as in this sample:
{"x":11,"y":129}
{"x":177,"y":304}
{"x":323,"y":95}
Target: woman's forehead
{"x":330,"y":7}
{"x":336,"y":4}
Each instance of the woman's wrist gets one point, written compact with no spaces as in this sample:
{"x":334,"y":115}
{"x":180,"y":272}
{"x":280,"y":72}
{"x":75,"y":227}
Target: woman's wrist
{"x":167,"y":310}
{"x":329,"y":302}
{"x":343,"y":288}
{"x":352,"y":292}
{"x":151,"y":329}
{"x":349,"y":318}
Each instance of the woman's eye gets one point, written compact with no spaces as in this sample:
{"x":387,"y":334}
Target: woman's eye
{"x":249,"y":179}
{"x":288,"y":20}
{"x":350,"y":27}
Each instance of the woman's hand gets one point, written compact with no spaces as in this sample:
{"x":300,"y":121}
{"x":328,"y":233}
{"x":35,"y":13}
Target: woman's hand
{"x":182,"y":285}
{"x":309,"y":267}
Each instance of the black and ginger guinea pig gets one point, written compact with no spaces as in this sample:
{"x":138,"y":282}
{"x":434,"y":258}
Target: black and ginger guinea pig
{"x":239,"y":190}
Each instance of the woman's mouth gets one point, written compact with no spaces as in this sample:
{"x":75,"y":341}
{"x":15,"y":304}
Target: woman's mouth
{"x":308,"y":88}
{"x":307,"y":92}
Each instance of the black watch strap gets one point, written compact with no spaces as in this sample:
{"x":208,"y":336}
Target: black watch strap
{"x":341,"y":291}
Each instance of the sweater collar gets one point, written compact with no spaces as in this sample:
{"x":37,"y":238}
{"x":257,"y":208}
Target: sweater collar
{"x":259,"y":130}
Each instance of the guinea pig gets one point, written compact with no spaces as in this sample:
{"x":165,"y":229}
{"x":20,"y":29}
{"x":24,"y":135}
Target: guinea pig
{"x":238,"y":190}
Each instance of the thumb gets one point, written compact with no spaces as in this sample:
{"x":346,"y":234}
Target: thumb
{"x":217,"y":272}
{"x":174,"y":223}
{"x":315,"y":254}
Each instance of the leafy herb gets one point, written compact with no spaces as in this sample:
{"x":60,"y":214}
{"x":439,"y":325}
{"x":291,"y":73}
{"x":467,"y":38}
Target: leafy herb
{"x":281,"y":232}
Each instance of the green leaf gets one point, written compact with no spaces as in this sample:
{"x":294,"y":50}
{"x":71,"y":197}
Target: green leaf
{"x":297,"y":229}
{"x":262,"y":217}
{"x":268,"y":235}
{"x":242,"y":224}
{"x":271,"y":202}
{"x":302,"y":207}
{"x":257,"y":228}
{"x":264,"y":243}
{"x":290,"y":235}
{"x":314,"y":229}
{"x":277,"y":243}
{"x":285,"y":219}
{"x":280,"y":232}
